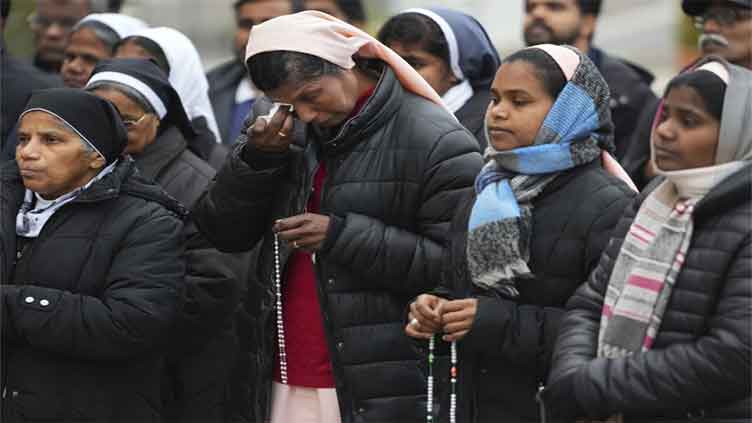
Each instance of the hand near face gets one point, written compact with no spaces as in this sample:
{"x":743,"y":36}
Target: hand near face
{"x":273,"y":135}
{"x":424,"y":318}
{"x":305,"y":231}
{"x":457,"y":318}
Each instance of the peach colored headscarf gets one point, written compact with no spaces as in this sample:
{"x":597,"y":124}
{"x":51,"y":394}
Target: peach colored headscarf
{"x":333,"y":40}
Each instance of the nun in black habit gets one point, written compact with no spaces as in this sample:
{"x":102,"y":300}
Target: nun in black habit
{"x":204,"y":340}
{"x":91,"y":266}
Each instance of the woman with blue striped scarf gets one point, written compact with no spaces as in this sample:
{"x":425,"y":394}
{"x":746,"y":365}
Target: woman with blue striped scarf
{"x":534,"y":228}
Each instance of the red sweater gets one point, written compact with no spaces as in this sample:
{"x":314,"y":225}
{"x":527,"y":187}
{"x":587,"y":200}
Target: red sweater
{"x":308,"y":362}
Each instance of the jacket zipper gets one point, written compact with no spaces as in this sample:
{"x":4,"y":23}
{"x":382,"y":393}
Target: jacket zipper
{"x":541,"y":402}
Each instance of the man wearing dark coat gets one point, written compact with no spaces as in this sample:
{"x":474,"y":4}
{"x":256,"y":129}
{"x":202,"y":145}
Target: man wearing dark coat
{"x":18,"y":81}
{"x":573,"y":22}
{"x":726,"y":27}
{"x":230,"y":89}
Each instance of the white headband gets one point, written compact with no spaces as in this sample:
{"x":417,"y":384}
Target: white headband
{"x":136,"y":84}
{"x":446,"y":29}
{"x":718,"y":69}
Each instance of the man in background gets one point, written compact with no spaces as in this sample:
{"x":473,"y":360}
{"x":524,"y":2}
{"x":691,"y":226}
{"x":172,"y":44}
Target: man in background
{"x":230,"y":89}
{"x":350,"y":11}
{"x":18,"y":81}
{"x":726,"y":31}
{"x":726,"y":27}
{"x":52,"y":22}
{"x":573,"y":22}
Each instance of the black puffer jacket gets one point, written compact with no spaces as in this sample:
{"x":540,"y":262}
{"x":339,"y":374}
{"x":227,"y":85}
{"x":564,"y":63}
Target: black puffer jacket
{"x":87,"y":307}
{"x":395,"y":174}
{"x":700,"y":362}
{"x":204,"y":342}
{"x":506,"y":355}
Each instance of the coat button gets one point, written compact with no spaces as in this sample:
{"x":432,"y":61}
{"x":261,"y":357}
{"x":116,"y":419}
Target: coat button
{"x":44,"y":303}
{"x":361,"y":410}
{"x":331,"y":281}
{"x":29,"y":300}
{"x":340,"y":345}
{"x":484,"y":371}
{"x":14,"y":394}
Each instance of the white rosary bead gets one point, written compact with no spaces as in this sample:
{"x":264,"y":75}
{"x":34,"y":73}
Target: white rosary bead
{"x":280,"y":321}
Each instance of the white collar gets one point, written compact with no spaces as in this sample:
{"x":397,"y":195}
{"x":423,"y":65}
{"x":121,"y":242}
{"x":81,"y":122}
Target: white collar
{"x":458,"y":95}
{"x":246,"y":91}
{"x":695,"y":183}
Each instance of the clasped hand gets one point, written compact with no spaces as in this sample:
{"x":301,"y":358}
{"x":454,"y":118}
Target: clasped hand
{"x":430,"y":314}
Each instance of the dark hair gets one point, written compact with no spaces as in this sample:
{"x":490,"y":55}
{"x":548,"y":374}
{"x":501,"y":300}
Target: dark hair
{"x":152,"y":47}
{"x":272,"y":69}
{"x":707,"y":84}
{"x":590,"y":7}
{"x":4,"y":8}
{"x":237,"y":4}
{"x":353,"y":9}
{"x":103,"y":32}
{"x":587,"y":7}
{"x":415,"y":30}
{"x":114,"y":6}
{"x":547,"y":70}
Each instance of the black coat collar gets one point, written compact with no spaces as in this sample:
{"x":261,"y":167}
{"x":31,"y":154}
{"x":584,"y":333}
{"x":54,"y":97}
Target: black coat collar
{"x":159,"y":154}
{"x":731,"y":192}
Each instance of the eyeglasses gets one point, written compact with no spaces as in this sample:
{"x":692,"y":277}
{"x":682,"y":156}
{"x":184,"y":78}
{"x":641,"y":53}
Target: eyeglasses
{"x":131,"y":123}
{"x":723,"y":15}
{"x":38,"y":22}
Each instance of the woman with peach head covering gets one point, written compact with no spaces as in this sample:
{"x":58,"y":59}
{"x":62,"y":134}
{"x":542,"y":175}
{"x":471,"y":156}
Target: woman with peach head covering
{"x":347,"y":187}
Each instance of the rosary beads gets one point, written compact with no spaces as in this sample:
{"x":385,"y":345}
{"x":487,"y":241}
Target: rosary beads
{"x":280,"y":322}
{"x":453,"y":381}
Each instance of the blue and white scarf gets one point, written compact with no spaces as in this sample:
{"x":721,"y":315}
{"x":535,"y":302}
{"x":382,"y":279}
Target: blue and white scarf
{"x":572,"y":134}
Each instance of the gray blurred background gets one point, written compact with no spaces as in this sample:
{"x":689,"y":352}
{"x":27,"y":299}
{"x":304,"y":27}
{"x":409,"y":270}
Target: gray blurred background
{"x":653,"y":33}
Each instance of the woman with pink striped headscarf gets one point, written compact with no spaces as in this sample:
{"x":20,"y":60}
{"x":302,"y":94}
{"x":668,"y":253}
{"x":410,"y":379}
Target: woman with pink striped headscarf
{"x":661,"y":331}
